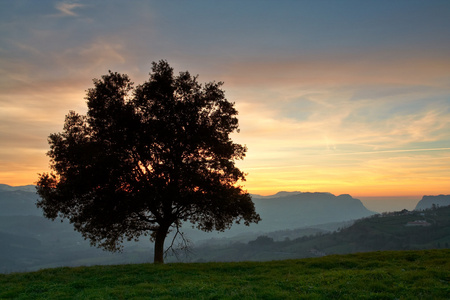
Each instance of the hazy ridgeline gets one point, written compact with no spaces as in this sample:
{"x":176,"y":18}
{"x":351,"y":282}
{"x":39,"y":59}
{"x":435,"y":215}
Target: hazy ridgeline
{"x":405,"y":230}
{"x":294,"y":225}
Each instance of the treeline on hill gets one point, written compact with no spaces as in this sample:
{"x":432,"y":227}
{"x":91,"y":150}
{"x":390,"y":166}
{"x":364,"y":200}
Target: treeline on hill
{"x":404,"y":230}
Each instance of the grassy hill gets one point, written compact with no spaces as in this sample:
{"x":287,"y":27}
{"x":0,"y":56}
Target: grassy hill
{"x":423,"y":274}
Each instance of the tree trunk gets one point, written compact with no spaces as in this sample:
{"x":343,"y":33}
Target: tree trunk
{"x":161,"y":234}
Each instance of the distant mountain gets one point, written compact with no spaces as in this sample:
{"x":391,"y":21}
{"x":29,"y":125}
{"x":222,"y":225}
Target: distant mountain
{"x":18,"y":201}
{"x":428,"y":201}
{"x":295,"y":210}
{"x":23,"y":188}
{"x":284,"y":210}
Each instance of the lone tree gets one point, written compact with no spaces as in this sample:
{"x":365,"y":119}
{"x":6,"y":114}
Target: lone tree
{"x":145,"y":159}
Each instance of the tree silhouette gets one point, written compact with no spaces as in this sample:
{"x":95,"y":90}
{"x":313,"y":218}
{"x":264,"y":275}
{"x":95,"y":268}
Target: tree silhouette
{"x":145,"y":159}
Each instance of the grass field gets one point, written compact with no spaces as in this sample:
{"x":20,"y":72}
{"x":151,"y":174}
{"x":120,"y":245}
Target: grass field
{"x":376,"y":275}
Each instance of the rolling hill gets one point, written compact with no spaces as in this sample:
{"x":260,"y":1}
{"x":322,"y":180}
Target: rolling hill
{"x":404,"y":230}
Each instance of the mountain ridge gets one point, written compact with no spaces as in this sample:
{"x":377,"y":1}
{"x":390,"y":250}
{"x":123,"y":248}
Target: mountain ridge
{"x":10,"y":188}
{"x":427,"y":201}
{"x":307,"y":209}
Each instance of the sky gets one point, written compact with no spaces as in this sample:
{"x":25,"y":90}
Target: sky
{"x":347,"y":97}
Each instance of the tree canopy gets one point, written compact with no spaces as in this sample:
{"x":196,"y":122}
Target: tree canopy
{"x":146,"y":159}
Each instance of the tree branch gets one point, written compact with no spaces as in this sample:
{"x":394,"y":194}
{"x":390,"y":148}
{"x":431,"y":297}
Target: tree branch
{"x":184,"y":245}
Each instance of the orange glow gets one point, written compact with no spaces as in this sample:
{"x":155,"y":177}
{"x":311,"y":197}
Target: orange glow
{"x":317,"y":124}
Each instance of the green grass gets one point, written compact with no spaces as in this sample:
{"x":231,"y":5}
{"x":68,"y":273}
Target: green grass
{"x":376,"y":275}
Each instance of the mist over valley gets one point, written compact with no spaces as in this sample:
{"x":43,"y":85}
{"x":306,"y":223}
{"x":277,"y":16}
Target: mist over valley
{"x":294,"y":225}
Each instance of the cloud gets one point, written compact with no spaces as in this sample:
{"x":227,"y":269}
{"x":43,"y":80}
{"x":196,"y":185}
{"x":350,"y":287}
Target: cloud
{"x":324,"y":139}
{"x":97,"y":56}
{"x":67,"y":9}
{"x":328,"y":123}
{"x":335,"y":104}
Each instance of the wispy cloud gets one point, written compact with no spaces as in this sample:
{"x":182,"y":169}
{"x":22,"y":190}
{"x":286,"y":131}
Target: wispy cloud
{"x":98,"y":55}
{"x":67,"y":9}
{"x":389,"y":151}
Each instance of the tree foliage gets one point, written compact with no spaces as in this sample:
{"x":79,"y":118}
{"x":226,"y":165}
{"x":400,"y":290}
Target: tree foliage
{"x":145,"y":159}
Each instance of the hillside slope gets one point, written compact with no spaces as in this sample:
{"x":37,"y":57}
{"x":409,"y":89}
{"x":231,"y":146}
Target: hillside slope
{"x":403,"y":230}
